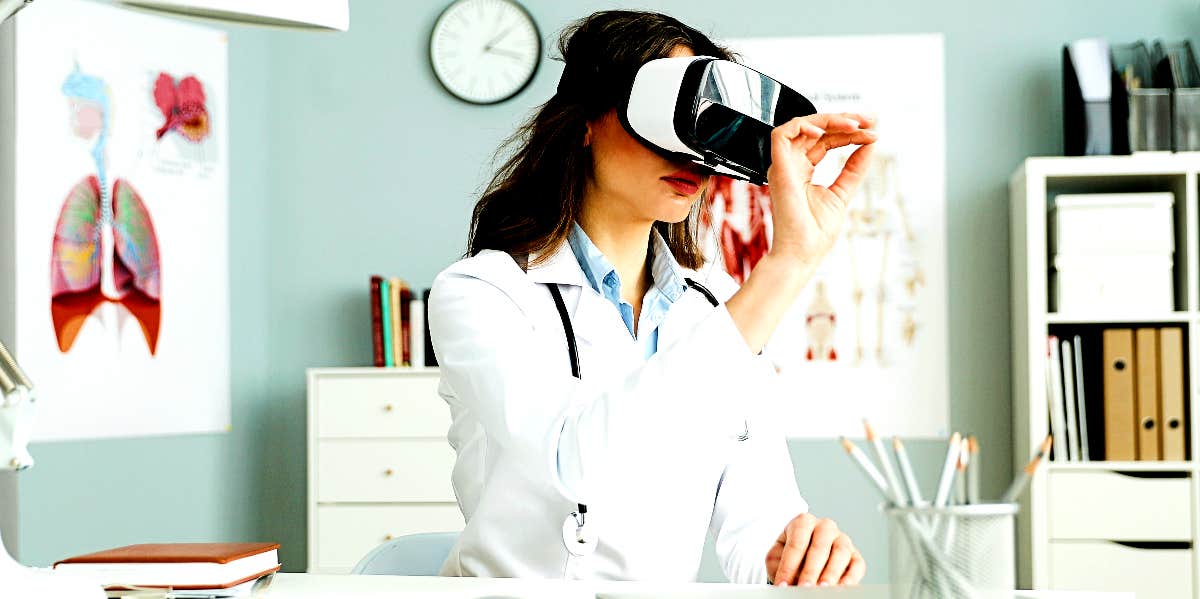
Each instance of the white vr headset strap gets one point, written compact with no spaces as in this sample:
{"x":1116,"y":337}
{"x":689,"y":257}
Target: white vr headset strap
{"x":651,"y":110}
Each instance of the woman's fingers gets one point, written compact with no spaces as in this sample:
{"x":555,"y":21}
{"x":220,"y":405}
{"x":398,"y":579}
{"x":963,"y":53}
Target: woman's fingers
{"x":857,"y":569}
{"x":840,"y":122}
{"x":853,"y":172}
{"x":795,"y":540}
{"x":817,"y":556}
{"x":839,"y":560}
{"x":838,"y":140}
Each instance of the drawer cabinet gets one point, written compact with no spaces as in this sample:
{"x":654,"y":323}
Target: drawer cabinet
{"x":1114,"y":506}
{"x":1149,"y":572}
{"x":345,"y":533}
{"x":379,"y":464}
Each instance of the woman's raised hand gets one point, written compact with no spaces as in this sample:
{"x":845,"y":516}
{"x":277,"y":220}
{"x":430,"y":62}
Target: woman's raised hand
{"x":808,"y":217}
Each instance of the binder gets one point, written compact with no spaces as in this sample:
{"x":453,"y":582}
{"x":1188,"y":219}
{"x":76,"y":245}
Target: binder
{"x":1054,"y":396}
{"x":1068,"y":365}
{"x":1145,"y":375}
{"x":1120,"y":438}
{"x":1171,"y":419}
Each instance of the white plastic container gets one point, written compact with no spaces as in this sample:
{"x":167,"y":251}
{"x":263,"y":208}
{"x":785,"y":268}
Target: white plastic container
{"x":1112,"y":284}
{"x":1113,"y":223}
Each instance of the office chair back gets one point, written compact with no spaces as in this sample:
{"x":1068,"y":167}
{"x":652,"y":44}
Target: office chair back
{"x":410,"y":555}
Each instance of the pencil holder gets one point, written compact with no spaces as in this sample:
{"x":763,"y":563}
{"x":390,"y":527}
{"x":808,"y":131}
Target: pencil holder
{"x":958,"y":552}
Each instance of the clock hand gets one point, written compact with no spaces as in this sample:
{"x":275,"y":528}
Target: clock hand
{"x":502,"y":52}
{"x":499,"y":36}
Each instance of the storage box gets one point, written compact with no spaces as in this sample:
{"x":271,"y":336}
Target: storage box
{"x":1114,"y":223}
{"x":1108,"y":284}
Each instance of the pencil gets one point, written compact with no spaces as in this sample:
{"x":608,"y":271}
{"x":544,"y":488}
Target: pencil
{"x":1022,"y":479}
{"x":973,"y":470}
{"x":960,"y":481}
{"x":889,"y":473}
{"x":865,"y":464}
{"x":910,"y":481}
{"x":943,"y":490}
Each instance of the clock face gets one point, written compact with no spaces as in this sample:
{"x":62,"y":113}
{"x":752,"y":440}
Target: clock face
{"x":485,"y":51}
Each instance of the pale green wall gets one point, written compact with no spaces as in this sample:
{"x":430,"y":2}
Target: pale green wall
{"x":348,"y":159}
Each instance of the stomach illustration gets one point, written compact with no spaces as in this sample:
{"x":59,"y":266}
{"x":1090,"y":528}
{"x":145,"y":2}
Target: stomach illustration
{"x":95,"y":260}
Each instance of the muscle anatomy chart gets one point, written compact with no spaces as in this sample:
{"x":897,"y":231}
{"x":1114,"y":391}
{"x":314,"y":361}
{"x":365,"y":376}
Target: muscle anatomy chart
{"x":868,"y":335}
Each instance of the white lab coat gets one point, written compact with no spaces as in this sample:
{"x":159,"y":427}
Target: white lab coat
{"x":649,"y":445}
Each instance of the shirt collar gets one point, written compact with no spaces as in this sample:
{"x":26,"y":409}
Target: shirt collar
{"x":664,"y":269}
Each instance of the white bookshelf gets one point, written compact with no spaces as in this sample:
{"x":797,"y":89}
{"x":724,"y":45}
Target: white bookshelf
{"x":1104,"y":548}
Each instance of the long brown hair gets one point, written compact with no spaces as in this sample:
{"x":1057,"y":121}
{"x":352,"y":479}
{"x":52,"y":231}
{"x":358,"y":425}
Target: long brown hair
{"x":537,"y":193}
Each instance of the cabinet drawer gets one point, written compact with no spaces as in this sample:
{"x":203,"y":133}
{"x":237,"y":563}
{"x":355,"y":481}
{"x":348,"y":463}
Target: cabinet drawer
{"x":392,"y":405}
{"x":1093,"y":565}
{"x":1112,"y":506}
{"x":347,"y":533}
{"x":384,"y":470}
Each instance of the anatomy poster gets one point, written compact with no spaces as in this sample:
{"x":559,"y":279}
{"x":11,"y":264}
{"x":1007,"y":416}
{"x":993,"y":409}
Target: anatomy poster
{"x":868,"y":336}
{"x":121,"y":210}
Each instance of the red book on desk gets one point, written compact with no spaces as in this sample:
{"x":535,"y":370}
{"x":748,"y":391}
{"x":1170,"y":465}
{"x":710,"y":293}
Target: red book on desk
{"x":177,"y":565}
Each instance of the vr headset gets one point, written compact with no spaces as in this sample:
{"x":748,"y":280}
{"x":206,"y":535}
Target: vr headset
{"x":715,"y":113}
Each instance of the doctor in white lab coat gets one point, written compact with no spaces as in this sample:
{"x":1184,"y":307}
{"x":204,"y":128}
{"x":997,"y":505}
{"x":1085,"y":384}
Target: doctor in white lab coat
{"x":666,"y":434}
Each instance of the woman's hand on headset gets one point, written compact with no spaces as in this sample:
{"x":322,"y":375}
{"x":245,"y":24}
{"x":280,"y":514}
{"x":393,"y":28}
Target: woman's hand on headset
{"x":807,"y":218}
{"x":812,"y":551}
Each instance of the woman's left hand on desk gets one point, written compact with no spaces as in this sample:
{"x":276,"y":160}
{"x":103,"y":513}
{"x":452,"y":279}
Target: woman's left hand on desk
{"x":812,"y":551}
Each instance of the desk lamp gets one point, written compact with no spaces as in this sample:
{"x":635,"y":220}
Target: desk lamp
{"x":17,"y":396}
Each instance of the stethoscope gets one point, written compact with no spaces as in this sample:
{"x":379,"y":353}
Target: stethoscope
{"x":578,"y":538}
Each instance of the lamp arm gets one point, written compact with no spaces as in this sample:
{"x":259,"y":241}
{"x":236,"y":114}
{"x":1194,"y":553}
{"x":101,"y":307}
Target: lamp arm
{"x":9,"y":8}
{"x":14,"y":369}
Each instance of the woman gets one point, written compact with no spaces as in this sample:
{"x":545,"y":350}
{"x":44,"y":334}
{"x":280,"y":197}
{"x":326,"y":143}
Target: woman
{"x":620,"y":472}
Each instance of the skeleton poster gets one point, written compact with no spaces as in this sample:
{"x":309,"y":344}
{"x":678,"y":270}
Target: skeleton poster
{"x":868,"y":336}
{"x":120,"y":201}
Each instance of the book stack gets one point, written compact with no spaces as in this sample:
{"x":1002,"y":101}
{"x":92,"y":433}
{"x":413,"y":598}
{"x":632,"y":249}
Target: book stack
{"x":399,"y":336}
{"x":188,"y":569}
{"x":1142,"y":389}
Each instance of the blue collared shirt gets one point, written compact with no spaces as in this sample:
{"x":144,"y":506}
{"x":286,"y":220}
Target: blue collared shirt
{"x":668,"y":285}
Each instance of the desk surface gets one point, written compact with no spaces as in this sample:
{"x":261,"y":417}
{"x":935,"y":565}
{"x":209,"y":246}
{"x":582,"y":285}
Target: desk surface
{"x":329,"y":586}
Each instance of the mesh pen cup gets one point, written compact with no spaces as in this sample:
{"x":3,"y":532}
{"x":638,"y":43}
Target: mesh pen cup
{"x":959,"y":551}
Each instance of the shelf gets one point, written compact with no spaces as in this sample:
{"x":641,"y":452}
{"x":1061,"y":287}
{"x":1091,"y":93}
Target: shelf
{"x":1179,"y":163}
{"x":1128,"y":466}
{"x":1057,"y":318}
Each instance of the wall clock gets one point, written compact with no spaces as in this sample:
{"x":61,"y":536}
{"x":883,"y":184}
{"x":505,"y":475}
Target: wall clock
{"x":485,"y":51}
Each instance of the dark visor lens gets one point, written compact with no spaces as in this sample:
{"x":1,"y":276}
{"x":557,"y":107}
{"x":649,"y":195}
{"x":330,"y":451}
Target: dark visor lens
{"x":737,"y":109}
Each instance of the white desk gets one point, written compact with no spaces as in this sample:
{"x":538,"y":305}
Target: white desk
{"x":331,"y":586}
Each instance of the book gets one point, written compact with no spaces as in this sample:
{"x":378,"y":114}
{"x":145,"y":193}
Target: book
{"x":389,"y":358}
{"x":1068,"y":364}
{"x":1084,"y":452}
{"x":416,"y":311}
{"x":430,"y":357}
{"x":377,"y":321}
{"x":1054,"y":396}
{"x":395,"y":290}
{"x":176,"y":565}
{"x":406,"y":296}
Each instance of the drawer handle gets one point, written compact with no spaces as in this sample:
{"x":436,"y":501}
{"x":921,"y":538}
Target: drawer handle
{"x":388,"y":407}
{"x":1154,"y":544}
{"x":1151,"y":474}
{"x":389,"y":472}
